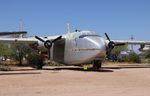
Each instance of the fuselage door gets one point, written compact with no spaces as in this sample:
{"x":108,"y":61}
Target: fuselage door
{"x":58,"y":51}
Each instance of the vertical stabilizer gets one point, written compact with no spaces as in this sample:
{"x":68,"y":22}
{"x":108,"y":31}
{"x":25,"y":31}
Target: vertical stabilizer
{"x":68,"y":28}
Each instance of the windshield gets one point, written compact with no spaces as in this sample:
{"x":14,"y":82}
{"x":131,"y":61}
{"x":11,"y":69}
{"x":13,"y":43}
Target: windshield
{"x":82,"y":36}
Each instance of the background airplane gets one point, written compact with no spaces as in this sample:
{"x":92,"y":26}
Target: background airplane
{"x":79,"y":47}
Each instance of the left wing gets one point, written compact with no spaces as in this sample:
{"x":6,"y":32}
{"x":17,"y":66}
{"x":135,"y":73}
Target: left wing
{"x":112,"y":43}
{"x":132,"y":42}
{"x":141,"y":43}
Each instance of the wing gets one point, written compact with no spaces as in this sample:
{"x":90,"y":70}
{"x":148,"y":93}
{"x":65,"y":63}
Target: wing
{"x":141,"y":43}
{"x":112,"y":43}
{"x":131,"y":42}
{"x":12,"y":33}
{"x":28,"y":40}
{"x":19,"y":40}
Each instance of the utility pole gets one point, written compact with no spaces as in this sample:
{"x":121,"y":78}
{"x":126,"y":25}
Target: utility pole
{"x":132,"y":44}
{"x":21,"y":26}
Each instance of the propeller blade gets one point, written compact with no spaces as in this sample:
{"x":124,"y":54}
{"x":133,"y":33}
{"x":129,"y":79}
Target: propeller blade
{"x":107,"y":36}
{"x":49,"y":53}
{"x":48,"y":44}
{"x":57,"y":38}
{"x":39,"y":39}
{"x":111,"y":45}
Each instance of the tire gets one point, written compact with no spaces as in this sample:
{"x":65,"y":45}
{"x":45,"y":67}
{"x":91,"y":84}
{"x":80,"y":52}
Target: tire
{"x":37,"y":62}
{"x":96,"y":65}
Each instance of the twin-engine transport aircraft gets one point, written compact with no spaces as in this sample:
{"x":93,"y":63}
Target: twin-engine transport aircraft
{"x":80,"y":47}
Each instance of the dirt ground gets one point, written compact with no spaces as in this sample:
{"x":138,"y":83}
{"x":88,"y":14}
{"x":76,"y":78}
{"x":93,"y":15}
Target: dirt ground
{"x":110,"y":81}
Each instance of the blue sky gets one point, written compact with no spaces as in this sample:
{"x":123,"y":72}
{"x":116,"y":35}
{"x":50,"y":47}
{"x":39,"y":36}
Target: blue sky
{"x":119,"y":18}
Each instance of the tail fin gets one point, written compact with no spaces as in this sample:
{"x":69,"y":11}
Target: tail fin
{"x":68,"y":28}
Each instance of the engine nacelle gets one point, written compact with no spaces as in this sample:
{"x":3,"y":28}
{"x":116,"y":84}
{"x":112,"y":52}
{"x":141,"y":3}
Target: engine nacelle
{"x":144,"y":48}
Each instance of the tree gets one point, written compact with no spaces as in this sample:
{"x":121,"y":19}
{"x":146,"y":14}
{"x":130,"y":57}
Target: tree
{"x":19,"y":52}
{"x":5,"y":50}
{"x":32,"y":56}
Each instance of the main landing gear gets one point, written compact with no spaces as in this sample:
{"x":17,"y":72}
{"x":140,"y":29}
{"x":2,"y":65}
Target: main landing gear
{"x":36,"y":61}
{"x":96,"y":65}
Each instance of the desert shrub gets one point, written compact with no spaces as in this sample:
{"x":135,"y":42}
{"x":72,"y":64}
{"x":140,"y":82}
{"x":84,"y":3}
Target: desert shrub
{"x":133,"y":57}
{"x":35,"y":60}
{"x":147,"y":54}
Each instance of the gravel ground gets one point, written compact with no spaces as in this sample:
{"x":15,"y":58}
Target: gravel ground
{"x":107,"y":82}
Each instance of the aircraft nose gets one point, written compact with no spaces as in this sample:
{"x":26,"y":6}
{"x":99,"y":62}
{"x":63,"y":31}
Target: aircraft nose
{"x":98,"y":46}
{"x":92,"y":47}
{"x":87,"y":49}
{"x":96,"y":43}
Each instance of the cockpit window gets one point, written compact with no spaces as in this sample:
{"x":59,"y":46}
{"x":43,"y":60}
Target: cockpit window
{"x":82,"y":36}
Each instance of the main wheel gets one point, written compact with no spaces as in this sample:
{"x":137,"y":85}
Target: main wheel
{"x":96,"y":65}
{"x":39,"y":64}
{"x":36,"y":62}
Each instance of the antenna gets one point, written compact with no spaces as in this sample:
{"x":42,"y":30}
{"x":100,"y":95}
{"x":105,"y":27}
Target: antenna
{"x":68,"y":28}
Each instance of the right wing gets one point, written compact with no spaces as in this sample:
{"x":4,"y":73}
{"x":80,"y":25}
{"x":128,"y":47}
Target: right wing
{"x":19,"y":40}
{"x":13,"y":33}
{"x":29,"y":40}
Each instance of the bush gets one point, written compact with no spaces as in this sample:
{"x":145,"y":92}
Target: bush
{"x":131,"y":57}
{"x":147,"y":54}
{"x":35,"y":60}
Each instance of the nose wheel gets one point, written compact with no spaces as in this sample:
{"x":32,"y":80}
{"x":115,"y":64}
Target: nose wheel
{"x":96,"y":65}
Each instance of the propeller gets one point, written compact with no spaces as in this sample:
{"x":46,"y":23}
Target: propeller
{"x":48,"y":44}
{"x":112,"y":44}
